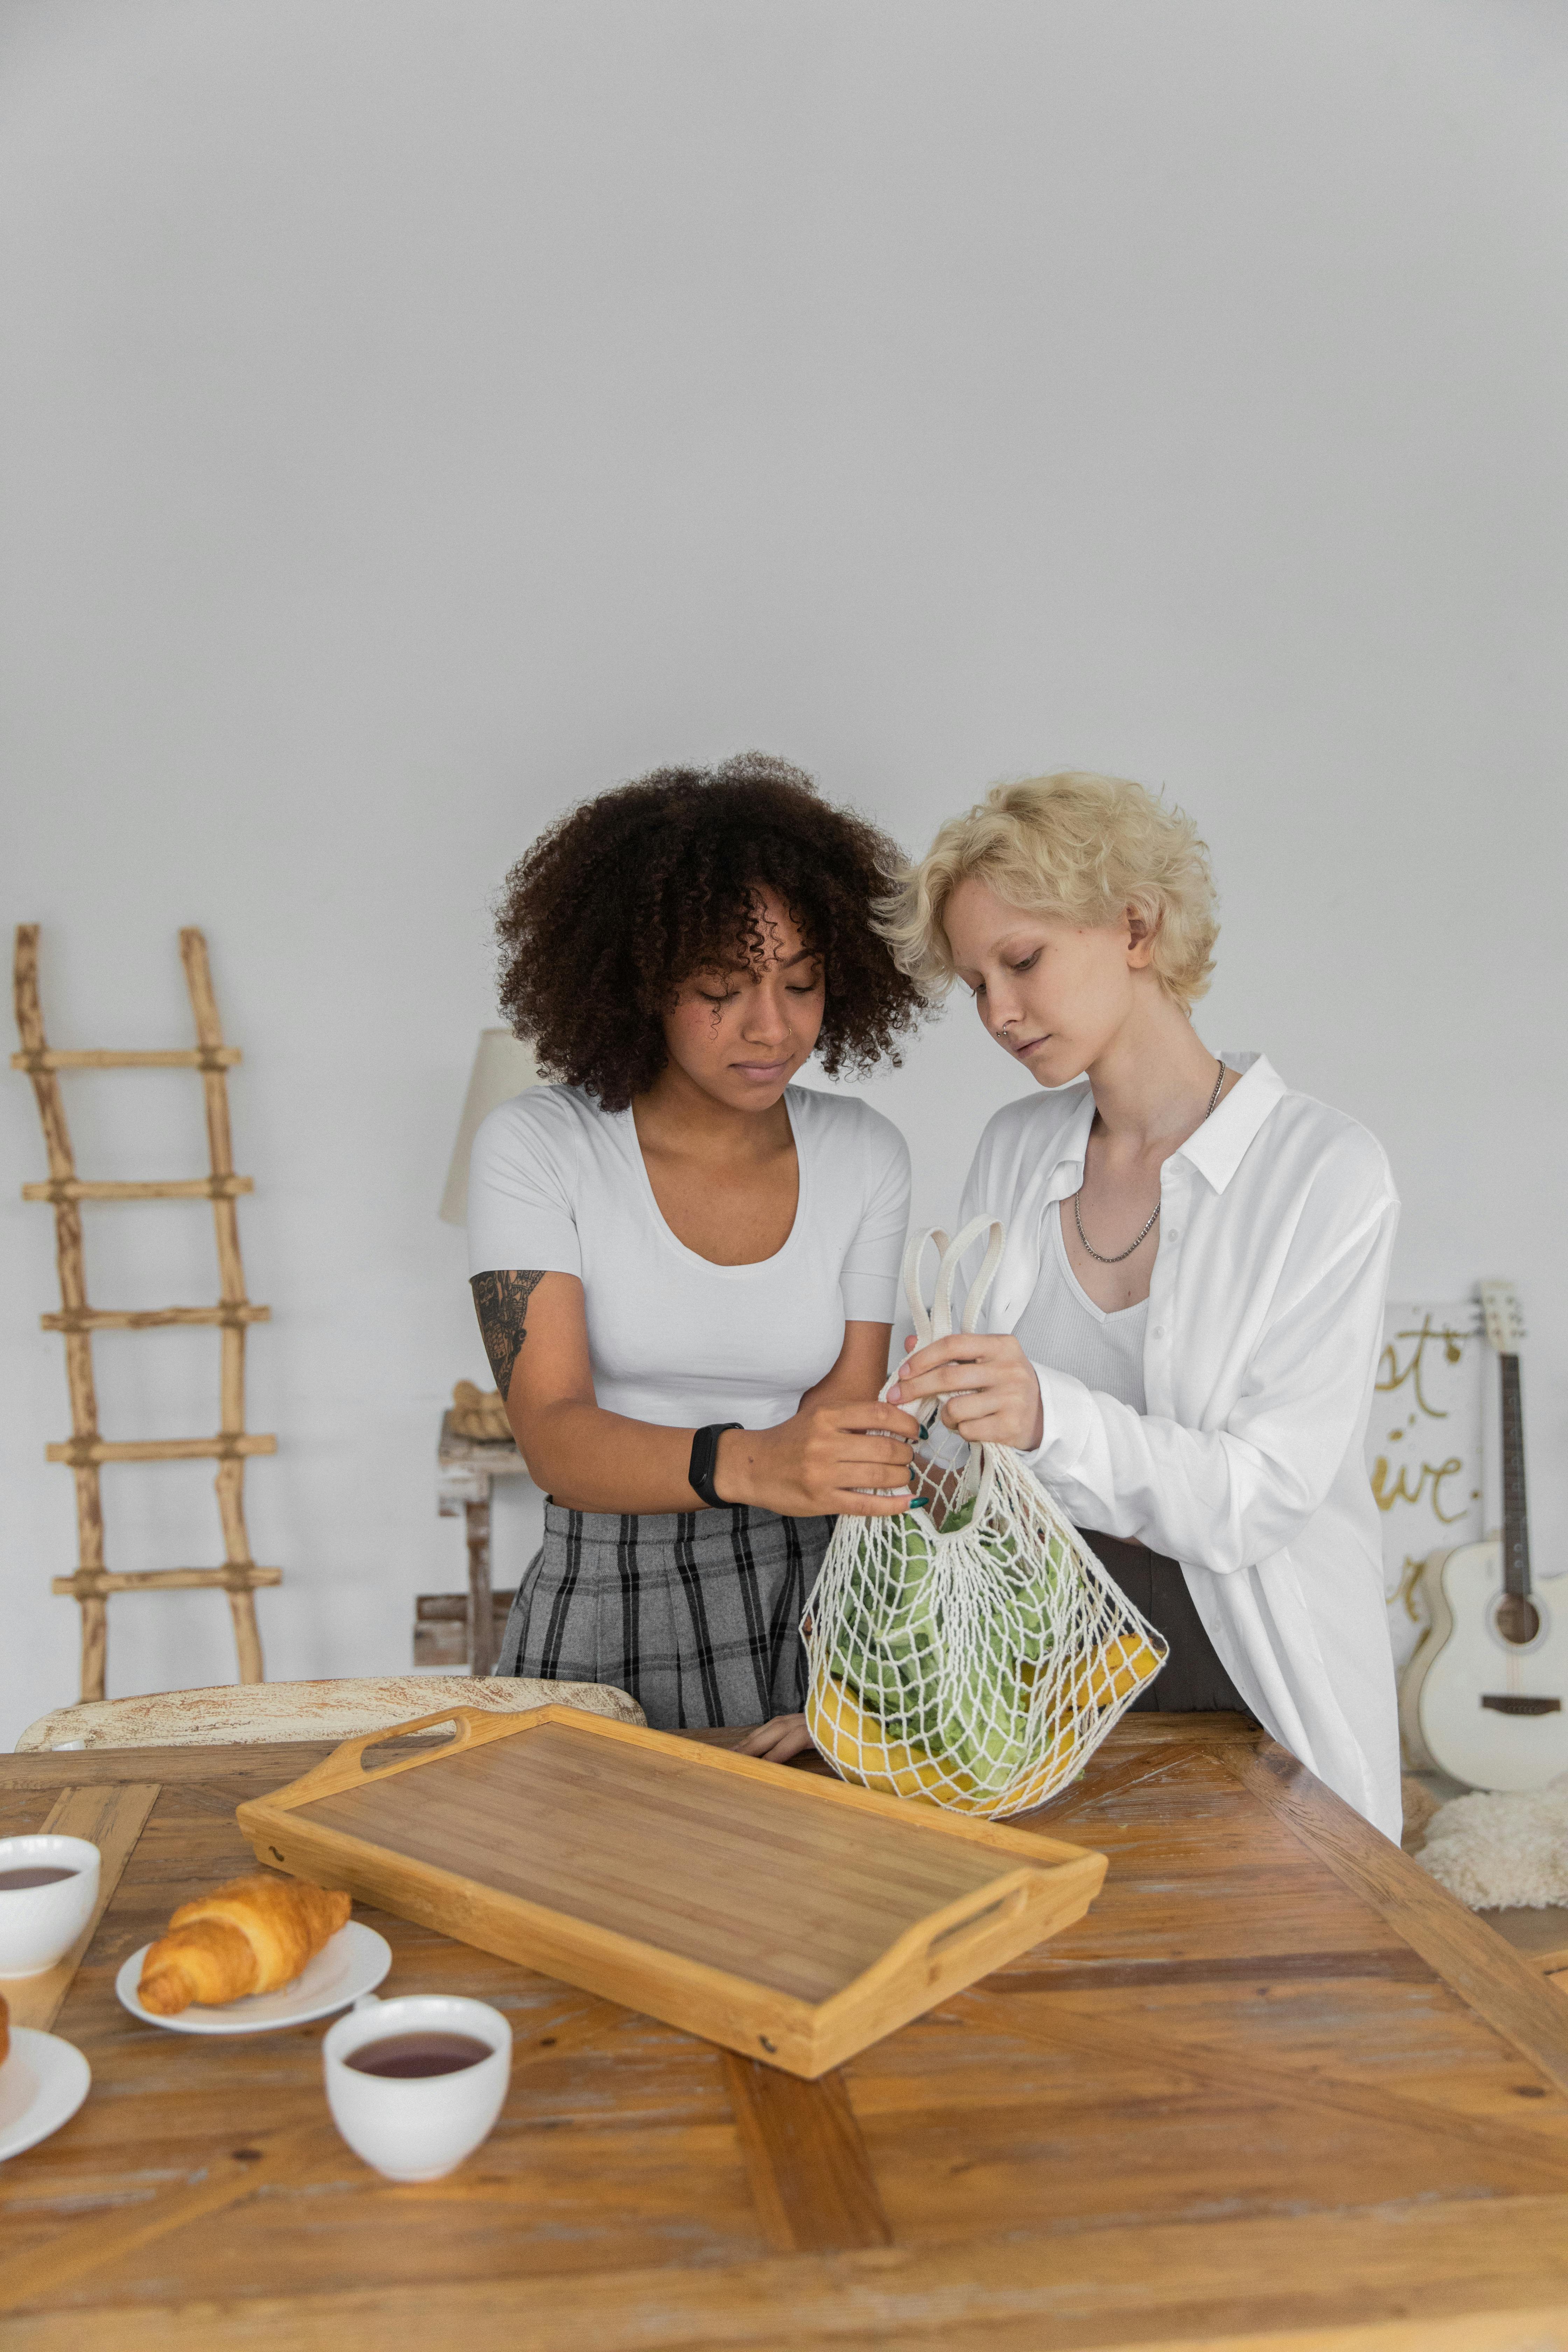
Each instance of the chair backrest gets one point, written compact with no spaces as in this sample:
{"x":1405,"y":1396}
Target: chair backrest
{"x":248,"y":1712}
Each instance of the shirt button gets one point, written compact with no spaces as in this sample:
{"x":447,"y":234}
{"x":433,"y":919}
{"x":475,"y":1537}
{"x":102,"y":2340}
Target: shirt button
{"x":1172,"y":1232}
{"x":1159,"y":1330}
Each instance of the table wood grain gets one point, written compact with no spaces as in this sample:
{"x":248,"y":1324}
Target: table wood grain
{"x":1278,"y":2090}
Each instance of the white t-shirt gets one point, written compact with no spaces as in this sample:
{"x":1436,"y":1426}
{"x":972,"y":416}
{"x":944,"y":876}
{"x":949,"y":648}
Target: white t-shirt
{"x":559,"y":1183}
{"x":1062,"y":1326}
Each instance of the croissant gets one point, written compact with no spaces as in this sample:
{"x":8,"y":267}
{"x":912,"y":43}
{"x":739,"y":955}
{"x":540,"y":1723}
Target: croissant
{"x":254,"y":1934}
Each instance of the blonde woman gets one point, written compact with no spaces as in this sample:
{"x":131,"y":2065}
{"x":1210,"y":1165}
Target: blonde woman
{"x":1183,"y":1335}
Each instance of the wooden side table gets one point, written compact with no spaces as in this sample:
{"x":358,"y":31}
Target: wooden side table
{"x":464,"y":1470}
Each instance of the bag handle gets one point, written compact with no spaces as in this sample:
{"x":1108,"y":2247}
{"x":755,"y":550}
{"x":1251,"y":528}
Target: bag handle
{"x":980,"y":1289}
{"x":936,"y":1322}
{"x":914,"y":1251}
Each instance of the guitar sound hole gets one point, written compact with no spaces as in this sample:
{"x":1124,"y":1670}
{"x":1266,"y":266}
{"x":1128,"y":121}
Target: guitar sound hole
{"x":1518,"y":1618}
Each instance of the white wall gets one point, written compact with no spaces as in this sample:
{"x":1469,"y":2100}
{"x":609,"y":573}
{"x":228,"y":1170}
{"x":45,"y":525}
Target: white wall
{"x":418,"y":415}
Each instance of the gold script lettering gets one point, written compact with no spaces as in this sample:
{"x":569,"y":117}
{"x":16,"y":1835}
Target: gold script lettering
{"x":1390,"y":1376}
{"x":1436,"y":1472}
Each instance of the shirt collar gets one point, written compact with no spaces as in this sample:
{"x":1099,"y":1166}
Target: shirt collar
{"x":1066,"y":1170}
{"x":1215,"y":1148}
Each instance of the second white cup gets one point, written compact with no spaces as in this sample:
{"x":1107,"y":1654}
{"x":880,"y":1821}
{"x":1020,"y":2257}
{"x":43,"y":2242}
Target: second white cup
{"x":40,"y":1921}
{"x":416,"y":2127}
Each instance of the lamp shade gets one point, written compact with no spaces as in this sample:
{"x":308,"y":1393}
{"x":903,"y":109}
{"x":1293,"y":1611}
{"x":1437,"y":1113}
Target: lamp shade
{"x":503,"y":1066}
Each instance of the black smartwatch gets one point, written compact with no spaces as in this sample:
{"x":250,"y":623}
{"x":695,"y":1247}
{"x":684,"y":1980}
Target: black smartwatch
{"x":704,"y":1454}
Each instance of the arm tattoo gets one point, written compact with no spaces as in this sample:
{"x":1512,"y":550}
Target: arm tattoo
{"x":500,"y":1302}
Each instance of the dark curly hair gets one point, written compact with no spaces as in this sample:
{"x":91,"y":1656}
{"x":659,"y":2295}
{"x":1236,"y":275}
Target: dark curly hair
{"x":633,"y":892}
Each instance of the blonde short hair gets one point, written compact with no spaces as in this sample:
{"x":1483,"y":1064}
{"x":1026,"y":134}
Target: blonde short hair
{"x":1075,"y":845}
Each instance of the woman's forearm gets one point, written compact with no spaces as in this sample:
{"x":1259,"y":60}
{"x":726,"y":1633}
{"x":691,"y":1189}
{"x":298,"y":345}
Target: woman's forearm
{"x":830,"y":1458}
{"x":589,"y":1460}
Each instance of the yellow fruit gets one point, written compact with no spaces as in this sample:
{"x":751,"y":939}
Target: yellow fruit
{"x":1041,"y":1782}
{"x":857,"y":1743}
{"x":1116,"y":1672}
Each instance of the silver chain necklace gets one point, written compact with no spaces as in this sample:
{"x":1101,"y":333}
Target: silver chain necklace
{"x":1150,"y":1226}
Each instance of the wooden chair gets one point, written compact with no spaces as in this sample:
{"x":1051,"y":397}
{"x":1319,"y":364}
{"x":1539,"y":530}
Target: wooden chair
{"x":250,"y":1712}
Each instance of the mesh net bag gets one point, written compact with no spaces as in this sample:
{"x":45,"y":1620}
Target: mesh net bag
{"x":970,"y":1651}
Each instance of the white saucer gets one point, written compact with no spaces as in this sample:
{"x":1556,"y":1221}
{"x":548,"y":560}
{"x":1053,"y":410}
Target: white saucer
{"x":353,"y":1962}
{"x":42,"y":2084}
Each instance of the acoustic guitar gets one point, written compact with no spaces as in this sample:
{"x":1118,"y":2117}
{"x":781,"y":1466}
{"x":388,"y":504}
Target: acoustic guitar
{"x":1485,"y":1695}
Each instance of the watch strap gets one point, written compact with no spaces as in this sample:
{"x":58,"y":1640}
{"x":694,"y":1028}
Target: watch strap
{"x":704,"y":1455}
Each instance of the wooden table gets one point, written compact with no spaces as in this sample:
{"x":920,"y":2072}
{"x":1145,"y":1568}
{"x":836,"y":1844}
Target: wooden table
{"x":1278,"y":2089}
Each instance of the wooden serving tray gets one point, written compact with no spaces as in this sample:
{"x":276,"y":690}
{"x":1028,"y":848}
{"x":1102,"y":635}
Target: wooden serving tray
{"x":789,"y":1917}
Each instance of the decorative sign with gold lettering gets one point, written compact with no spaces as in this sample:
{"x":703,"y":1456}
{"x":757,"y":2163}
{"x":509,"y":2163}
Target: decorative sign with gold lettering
{"x":1424,"y":1449}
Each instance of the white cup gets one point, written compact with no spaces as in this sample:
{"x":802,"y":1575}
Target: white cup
{"x":39,"y":1925}
{"x":416,"y":2127}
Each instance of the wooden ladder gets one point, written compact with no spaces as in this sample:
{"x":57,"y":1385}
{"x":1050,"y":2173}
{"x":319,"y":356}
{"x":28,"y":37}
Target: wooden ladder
{"x":86,"y":1449}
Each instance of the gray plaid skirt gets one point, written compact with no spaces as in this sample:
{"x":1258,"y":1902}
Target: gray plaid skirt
{"x":696,"y":1614}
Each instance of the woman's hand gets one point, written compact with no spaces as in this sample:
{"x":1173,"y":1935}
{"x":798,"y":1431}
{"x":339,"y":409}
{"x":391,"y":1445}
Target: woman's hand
{"x":821,"y":1462}
{"x":785,"y":1737}
{"x":996,"y":1398}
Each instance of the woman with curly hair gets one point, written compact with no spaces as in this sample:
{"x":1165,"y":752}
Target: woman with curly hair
{"x":1186,"y":1320}
{"x":685,"y":1266}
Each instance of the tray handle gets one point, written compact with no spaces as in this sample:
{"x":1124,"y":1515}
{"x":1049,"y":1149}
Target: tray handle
{"x":958,"y":1931}
{"x":1041,"y":1887}
{"x":924,"y":1948}
{"x":465,"y":1717}
{"x":344,"y":1769}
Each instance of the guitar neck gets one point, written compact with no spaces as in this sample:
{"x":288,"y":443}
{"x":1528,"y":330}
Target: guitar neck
{"x":1515,"y":1523}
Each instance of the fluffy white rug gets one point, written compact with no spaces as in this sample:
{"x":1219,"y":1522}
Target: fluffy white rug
{"x":1503,"y":1852}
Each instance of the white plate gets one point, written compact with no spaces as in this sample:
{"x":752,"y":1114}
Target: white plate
{"x":42,"y":2084}
{"x":353,"y":1962}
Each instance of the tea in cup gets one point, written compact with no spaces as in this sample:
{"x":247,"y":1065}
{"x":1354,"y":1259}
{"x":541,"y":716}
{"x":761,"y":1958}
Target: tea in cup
{"x":417,"y":2083}
{"x":49,"y":1888}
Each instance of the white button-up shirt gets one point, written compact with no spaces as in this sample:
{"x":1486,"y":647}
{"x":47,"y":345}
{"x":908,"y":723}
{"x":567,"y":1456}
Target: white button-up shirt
{"x":1277,"y":1221}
